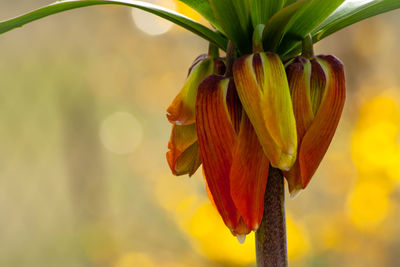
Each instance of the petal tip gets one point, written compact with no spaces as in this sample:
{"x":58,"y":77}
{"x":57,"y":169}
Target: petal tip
{"x":295,"y":193}
{"x":286,"y":161}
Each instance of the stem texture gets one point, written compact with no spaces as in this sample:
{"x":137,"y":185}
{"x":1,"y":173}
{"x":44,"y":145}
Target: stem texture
{"x":271,"y":248}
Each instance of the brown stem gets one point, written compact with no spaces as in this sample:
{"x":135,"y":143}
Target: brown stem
{"x":271,"y":248}
{"x":230,"y":58}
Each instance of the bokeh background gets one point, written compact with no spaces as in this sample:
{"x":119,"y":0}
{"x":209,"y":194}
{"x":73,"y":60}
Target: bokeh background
{"x":83,"y":137}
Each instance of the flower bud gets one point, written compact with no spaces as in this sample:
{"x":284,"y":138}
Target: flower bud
{"x":318,"y":92}
{"x":184,"y":156}
{"x":263,"y":90}
{"x":181,"y":110}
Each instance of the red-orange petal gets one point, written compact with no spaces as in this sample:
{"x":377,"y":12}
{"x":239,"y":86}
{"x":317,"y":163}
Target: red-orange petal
{"x":298,"y":74}
{"x":318,"y":137}
{"x":248,"y":175}
{"x":216,"y":137}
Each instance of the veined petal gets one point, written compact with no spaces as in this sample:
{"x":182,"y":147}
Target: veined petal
{"x":248,"y":175}
{"x":183,"y":156}
{"x":216,"y":137}
{"x":264,"y":92}
{"x":182,"y":109}
{"x":298,"y":74}
{"x":234,"y":105}
{"x":318,"y":137}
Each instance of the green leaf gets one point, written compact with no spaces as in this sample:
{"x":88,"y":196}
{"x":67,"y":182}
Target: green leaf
{"x":351,"y":12}
{"x":289,"y":2}
{"x":262,"y":10}
{"x":312,"y":14}
{"x":234,"y":22}
{"x":277,"y":25}
{"x":170,"y":15}
{"x":203,"y":8}
{"x":243,"y":12}
{"x":347,"y":14}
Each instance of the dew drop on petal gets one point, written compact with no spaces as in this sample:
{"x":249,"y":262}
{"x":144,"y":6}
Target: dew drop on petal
{"x":241,"y":238}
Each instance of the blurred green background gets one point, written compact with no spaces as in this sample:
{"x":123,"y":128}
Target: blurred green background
{"x":83,"y":137}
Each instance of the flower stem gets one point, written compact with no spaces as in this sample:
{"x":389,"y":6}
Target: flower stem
{"x":271,"y":248}
{"x":307,"y":47}
{"x":230,"y":58}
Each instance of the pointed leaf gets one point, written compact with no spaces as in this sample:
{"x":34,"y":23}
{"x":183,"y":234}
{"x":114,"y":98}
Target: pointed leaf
{"x":277,"y":25}
{"x":216,"y":137}
{"x":289,"y":2}
{"x":262,"y":10}
{"x":234,"y":22}
{"x":167,"y":14}
{"x":203,"y":8}
{"x":306,"y":19}
{"x":351,"y":12}
{"x":348,"y":13}
{"x":248,"y":176}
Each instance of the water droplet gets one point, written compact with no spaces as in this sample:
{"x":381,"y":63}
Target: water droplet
{"x":241,"y":238}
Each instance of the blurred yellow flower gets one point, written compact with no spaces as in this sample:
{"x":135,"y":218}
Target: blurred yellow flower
{"x":133,"y":259}
{"x":369,"y":205}
{"x":297,"y":238}
{"x":375,"y":145}
{"x":215,"y":241}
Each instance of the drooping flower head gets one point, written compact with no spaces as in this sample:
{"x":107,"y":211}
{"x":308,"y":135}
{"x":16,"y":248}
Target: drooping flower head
{"x":256,"y":115}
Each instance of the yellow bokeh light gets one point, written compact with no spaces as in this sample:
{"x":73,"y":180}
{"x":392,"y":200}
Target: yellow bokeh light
{"x":214,"y":240}
{"x":134,"y":259}
{"x":376,"y":145}
{"x":151,"y":24}
{"x":368,"y":205}
{"x":297,"y":238}
{"x":182,"y":201}
{"x":121,"y":133}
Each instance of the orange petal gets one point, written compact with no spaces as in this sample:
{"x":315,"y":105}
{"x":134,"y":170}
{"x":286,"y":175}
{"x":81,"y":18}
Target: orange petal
{"x":248,"y":176}
{"x":183,"y":156}
{"x":264,"y":92}
{"x":210,"y":197}
{"x":299,"y":73}
{"x":234,"y":105}
{"x":182,"y":109}
{"x":216,"y":137}
{"x":318,"y":137}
